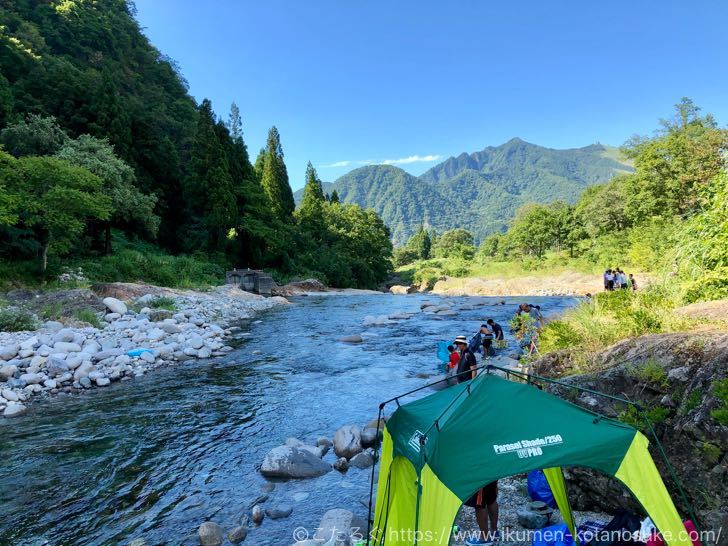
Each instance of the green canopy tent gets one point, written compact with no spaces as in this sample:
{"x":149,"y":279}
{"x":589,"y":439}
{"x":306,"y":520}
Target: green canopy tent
{"x":439,"y":450}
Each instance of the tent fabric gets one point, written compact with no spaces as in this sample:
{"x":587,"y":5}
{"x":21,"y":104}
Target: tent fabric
{"x":640,"y":475}
{"x":555,"y":477}
{"x":439,"y":450}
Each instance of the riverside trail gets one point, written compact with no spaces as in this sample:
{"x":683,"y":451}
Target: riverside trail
{"x":155,"y":457}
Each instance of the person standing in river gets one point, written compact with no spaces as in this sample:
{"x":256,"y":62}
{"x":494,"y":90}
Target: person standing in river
{"x":466,"y":361}
{"x":487,"y":337}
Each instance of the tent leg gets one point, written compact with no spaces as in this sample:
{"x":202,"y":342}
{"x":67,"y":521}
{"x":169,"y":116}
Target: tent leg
{"x":371,"y":483}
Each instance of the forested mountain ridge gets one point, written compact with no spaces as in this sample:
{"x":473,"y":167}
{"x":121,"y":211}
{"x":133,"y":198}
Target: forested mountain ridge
{"x":100,"y":141}
{"x":479,"y":191}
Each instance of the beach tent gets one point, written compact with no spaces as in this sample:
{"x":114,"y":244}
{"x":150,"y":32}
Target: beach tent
{"x":439,"y":450}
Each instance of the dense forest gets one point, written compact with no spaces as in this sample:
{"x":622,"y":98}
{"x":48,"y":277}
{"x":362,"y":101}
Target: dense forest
{"x":109,"y":164}
{"x":670,"y":215}
{"x":479,"y":191}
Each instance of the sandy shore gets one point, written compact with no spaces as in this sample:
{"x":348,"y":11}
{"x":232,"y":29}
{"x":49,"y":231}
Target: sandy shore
{"x":564,"y":284}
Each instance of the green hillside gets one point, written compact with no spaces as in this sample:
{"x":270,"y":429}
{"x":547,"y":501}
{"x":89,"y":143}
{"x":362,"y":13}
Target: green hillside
{"x":480,"y":191}
{"x":107,"y":163}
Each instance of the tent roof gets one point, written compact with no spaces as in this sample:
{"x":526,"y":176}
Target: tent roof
{"x":490,"y":428}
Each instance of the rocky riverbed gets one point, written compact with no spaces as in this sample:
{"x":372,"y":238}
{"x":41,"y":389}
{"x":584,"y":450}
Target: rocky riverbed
{"x":134,"y":338}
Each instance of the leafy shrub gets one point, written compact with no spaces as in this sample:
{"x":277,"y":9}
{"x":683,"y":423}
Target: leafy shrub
{"x":404,"y":256}
{"x":692,"y":401}
{"x":16,"y":320}
{"x":427,"y":276}
{"x":558,"y":335}
{"x":52,"y":311}
{"x":631,"y":416}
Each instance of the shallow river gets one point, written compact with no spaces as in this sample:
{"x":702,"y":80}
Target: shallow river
{"x":155,"y":457}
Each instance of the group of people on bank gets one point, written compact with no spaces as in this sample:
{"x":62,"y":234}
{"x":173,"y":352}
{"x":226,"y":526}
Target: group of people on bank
{"x":616,"y":279}
{"x":463,"y":366}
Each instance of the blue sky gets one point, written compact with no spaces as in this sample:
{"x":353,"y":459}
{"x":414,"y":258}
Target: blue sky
{"x":414,"y":82}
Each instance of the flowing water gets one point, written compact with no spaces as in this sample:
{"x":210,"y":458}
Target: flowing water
{"x":154,"y":457}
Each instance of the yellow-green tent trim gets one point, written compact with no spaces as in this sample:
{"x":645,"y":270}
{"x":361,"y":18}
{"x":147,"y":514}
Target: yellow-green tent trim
{"x":439,"y":450}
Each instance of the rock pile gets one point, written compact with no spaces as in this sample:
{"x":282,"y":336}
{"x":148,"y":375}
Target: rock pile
{"x":57,"y":358}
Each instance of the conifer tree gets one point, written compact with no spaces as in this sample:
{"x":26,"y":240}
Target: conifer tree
{"x":275,"y":177}
{"x":313,"y":193}
{"x":334,"y":196}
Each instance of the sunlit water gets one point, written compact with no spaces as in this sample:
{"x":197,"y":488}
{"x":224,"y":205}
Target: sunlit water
{"x":155,"y":457}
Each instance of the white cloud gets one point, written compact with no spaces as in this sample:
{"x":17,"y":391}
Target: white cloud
{"x":401,"y":161}
{"x":412,"y":159}
{"x":345,"y":163}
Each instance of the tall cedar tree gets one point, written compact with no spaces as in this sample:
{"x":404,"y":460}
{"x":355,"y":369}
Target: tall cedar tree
{"x":275,"y":178}
{"x":210,"y":196}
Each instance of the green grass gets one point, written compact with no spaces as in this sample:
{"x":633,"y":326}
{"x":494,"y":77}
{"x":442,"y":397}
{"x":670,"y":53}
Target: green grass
{"x":611,"y":317}
{"x":163,"y":302}
{"x":89,"y":316}
{"x":720,"y":389}
{"x":650,"y":373}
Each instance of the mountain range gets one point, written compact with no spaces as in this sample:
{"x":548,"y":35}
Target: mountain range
{"x":480,"y":191}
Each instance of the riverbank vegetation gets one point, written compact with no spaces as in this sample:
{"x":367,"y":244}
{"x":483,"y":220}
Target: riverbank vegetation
{"x":108,"y":164}
{"x":670,"y":217}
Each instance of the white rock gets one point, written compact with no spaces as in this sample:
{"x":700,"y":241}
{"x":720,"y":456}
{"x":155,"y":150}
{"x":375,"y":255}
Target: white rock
{"x":111,"y":317}
{"x":103,"y":381}
{"x":65,"y":335}
{"x":67,"y":347}
{"x":83,"y":370}
{"x":9,"y":351}
{"x":205,"y":352}
{"x":7,"y":371}
{"x":26,"y":353}
{"x":196,"y":342}
{"x":32,"y":378}
{"x":9,"y":394}
{"x":30,"y":343}
{"x":115,"y":306}
{"x":50,"y":383}
{"x":147,"y":357}
{"x":14,"y":410}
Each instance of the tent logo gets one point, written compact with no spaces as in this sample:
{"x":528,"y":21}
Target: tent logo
{"x":528,"y":448}
{"x":415,"y":439}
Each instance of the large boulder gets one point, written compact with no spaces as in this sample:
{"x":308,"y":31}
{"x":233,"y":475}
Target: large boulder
{"x":293,"y":462}
{"x":347,"y":441}
{"x":115,"y":306}
{"x":14,"y":410}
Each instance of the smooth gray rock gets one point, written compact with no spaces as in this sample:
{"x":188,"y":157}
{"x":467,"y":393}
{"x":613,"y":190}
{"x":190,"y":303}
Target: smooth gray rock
{"x":531,"y":520}
{"x":369,"y":436}
{"x":293,"y":462}
{"x":103,"y":381}
{"x":56,"y":366}
{"x":115,"y":306}
{"x":83,"y":370}
{"x":30,"y":343}
{"x":210,"y":533}
{"x":10,"y":395}
{"x":32,"y":378}
{"x":362,"y":460}
{"x":9,"y":351}
{"x":237,"y":534}
{"x":340,"y":527}
{"x":347,"y":441}
{"x":352,"y":339}
{"x":257,"y":514}
{"x":341,"y":464}
{"x":65,"y":335}
{"x":7,"y":371}
{"x":279,"y":512}
{"x":14,"y":410}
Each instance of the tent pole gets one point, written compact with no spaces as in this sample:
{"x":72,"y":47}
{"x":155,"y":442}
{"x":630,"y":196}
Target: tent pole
{"x":670,"y":468}
{"x":371,"y":483}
